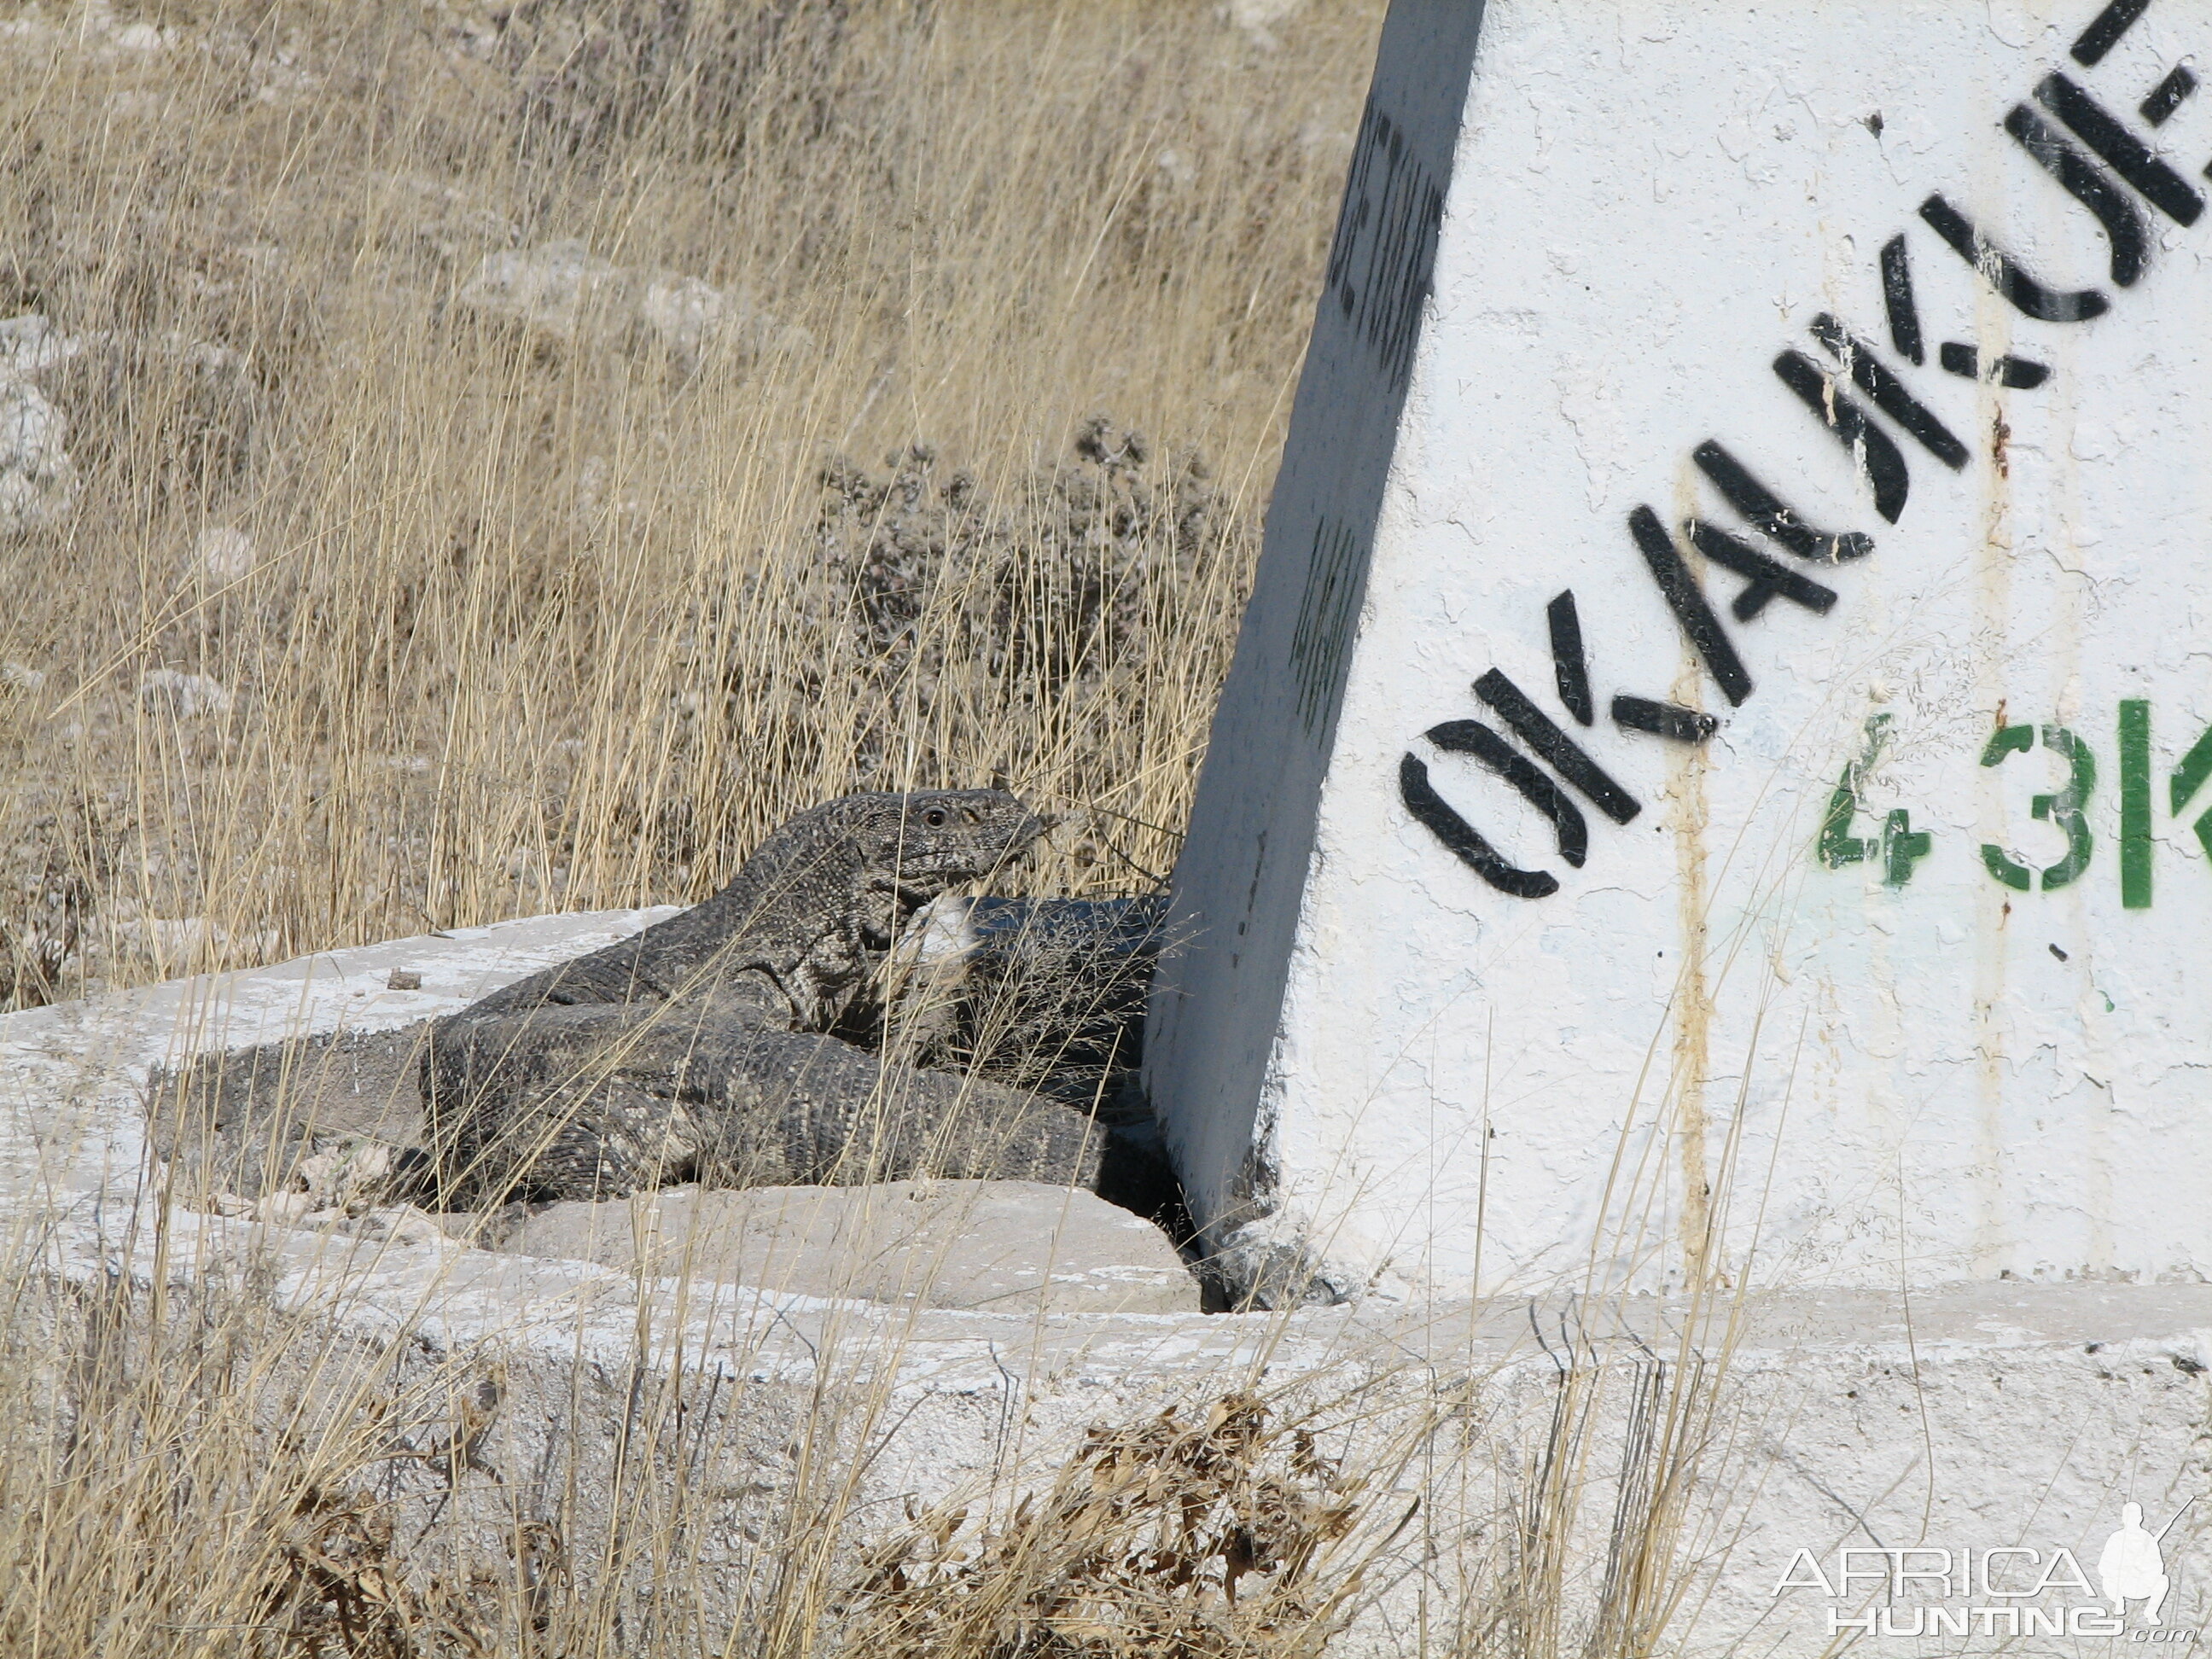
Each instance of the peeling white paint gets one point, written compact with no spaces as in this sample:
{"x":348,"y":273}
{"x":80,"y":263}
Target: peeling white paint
{"x":1922,"y":1080}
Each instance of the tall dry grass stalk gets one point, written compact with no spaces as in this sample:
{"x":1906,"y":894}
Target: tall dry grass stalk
{"x":542,"y":601}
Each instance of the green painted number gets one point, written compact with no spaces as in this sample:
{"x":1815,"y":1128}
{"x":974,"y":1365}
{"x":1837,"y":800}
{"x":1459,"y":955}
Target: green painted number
{"x":2065,"y":809}
{"x":1899,"y":847}
{"x":1902,"y":846}
{"x":1838,"y":846}
{"x":2006,"y":741}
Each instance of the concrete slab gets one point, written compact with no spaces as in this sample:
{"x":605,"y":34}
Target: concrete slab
{"x":989,"y":1246}
{"x":1717,"y":1438}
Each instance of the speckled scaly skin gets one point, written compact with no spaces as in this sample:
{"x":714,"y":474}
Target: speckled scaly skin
{"x":699,"y":1049}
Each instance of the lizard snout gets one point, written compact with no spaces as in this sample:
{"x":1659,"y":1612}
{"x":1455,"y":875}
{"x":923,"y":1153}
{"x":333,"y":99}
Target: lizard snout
{"x":1033,"y":829}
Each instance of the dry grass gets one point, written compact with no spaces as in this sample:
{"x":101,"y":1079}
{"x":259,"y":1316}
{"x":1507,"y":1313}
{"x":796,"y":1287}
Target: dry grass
{"x":553,"y":609}
{"x":378,"y":597}
{"x":208,"y":1474}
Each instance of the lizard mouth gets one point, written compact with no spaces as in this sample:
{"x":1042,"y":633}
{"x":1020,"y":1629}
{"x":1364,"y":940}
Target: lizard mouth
{"x":1020,"y":839}
{"x":1033,"y":829}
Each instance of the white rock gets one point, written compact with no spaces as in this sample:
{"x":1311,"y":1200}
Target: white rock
{"x":684,"y":311}
{"x":285,"y":1207}
{"x":1261,"y":19}
{"x":986,"y":1246}
{"x":563,"y":291}
{"x":206,"y":355}
{"x":188,"y":696}
{"x":144,"y":38}
{"x":170,"y":942}
{"x":405,"y":1225}
{"x":30,"y":343}
{"x":224,"y":554}
{"x":21,"y":678}
{"x":339,"y":1177}
{"x":38,"y":481}
{"x":547,"y":289}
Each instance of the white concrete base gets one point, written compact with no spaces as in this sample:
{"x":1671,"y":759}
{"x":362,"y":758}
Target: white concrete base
{"x":1551,"y":895}
{"x":991,"y":1246}
{"x":1971,"y":1418}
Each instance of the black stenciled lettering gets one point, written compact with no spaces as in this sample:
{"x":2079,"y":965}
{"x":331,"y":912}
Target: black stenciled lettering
{"x":2167,"y":96}
{"x":1436,"y":815}
{"x":1772,"y":517}
{"x":1888,"y":392}
{"x":2128,"y":155}
{"x":1663,"y":719}
{"x":1356,"y":209}
{"x":1381,"y":261}
{"x":2010,"y":371}
{"x":1414,"y":279}
{"x":1565,"y":756}
{"x":2105,"y":29}
{"x":1325,"y":615}
{"x":1897,"y":299}
{"x":1688,"y":601}
{"x":1874,"y":451}
{"x":2087,"y":183}
{"x":1474,"y":737}
{"x":2006,"y":273}
{"x":1569,"y":666}
{"x":1905,"y":328}
{"x":1375,"y":279}
{"x":1769,"y":577}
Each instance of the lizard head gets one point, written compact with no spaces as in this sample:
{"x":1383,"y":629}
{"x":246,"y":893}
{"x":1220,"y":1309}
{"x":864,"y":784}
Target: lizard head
{"x":917,"y":845}
{"x":943,"y":837}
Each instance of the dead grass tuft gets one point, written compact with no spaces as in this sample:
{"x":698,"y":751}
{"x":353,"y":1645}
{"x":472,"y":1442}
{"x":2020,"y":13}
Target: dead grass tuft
{"x":1140,"y":1548}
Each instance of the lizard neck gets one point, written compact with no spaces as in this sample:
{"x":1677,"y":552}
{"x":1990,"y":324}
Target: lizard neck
{"x":801,"y":910}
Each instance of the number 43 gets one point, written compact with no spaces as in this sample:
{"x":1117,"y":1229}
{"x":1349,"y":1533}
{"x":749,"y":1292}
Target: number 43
{"x":1899,"y":847}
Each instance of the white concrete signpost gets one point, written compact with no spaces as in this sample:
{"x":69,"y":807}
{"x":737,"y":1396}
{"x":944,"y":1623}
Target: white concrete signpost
{"x":1716,"y":778}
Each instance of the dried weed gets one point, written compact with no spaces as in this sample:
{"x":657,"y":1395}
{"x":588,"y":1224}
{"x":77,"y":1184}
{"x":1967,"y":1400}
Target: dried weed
{"x":1172,"y":1539}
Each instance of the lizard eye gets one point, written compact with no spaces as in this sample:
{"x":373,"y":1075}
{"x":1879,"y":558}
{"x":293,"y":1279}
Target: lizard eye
{"x":934,"y":817}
